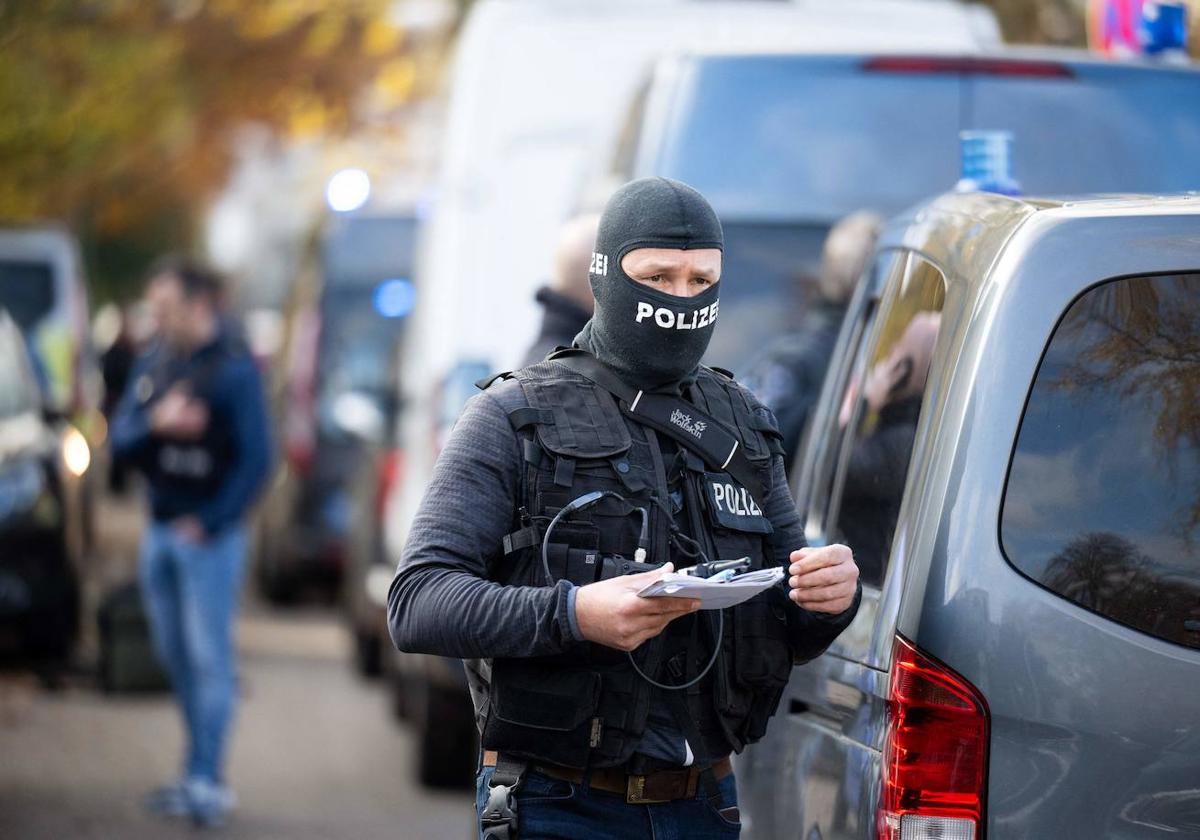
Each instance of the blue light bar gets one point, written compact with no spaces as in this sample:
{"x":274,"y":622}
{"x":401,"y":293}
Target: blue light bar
{"x":987,"y":163}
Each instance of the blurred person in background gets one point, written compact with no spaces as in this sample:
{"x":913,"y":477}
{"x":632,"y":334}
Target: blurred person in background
{"x":567,"y":302}
{"x":787,"y":376}
{"x":580,"y":685}
{"x":193,"y":420}
{"x":115,"y":364}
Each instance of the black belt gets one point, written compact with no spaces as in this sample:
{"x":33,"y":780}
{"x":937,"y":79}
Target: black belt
{"x":665,"y":785}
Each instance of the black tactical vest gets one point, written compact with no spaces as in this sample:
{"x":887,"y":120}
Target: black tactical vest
{"x":588,"y":707}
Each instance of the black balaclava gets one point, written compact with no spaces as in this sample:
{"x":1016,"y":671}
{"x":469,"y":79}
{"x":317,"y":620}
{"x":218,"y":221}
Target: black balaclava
{"x":651,"y":339}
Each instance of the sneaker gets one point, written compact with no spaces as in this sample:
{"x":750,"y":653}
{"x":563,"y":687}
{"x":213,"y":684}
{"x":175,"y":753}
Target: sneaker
{"x":168,"y":801}
{"x":209,"y":802}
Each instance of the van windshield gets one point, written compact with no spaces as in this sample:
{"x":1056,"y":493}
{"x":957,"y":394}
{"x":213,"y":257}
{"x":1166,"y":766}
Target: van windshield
{"x":798,"y":137}
{"x":26,"y":291}
{"x":787,"y":138}
{"x":358,"y":341}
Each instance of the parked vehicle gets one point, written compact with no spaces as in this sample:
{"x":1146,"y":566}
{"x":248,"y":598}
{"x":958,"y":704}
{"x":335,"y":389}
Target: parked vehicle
{"x":42,"y":462}
{"x":369,"y":568}
{"x":1026,"y":657}
{"x":785,"y":145}
{"x":514,"y":167}
{"x":335,"y":390}
{"x":42,"y":287}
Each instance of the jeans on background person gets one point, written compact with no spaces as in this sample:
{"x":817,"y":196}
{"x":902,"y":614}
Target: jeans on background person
{"x":553,"y":809}
{"x":191,"y":594}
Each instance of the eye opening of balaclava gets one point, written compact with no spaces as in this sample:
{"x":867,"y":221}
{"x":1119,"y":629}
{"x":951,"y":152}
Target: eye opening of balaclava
{"x":650,"y":338}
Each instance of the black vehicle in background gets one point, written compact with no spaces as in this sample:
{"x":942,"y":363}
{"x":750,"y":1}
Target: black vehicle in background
{"x":336,"y":393}
{"x":42,"y":461}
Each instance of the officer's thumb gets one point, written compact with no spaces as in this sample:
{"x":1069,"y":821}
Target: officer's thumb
{"x":652,"y":575}
{"x":664,"y":569}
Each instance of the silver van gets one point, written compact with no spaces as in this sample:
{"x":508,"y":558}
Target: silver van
{"x":1009,"y":438}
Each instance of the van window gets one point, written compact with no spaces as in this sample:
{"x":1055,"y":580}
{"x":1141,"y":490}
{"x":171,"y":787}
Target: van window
{"x":878,"y":419}
{"x":1102,"y":504}
{"x":26,"y":291}
{"x":775,"y":138}
{"x":16,"y":392}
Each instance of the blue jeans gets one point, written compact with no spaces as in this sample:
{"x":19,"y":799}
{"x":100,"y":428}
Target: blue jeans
{"x":551,"y":809}
{"x":191,"y":596}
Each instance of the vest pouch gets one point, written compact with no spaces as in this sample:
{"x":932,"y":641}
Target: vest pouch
{"x":549,"y":708}
{"x":573,"y":554}
{"x":762,"y":660}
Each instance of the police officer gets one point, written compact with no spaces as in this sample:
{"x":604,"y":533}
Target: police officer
{"x":569,"y":486}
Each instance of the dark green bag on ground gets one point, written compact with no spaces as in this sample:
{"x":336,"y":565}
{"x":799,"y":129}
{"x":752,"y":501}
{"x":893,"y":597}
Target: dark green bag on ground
{"x":127,"y":659}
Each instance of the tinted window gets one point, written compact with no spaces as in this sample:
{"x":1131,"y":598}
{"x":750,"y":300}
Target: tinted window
{"x":878,"y":419}
{"x":26,"y":291}
{"x":763,"y":270}
{"x":1106,"y":129}
{"x":1103,"y":497}
{"x":780,"y":137}
{"x":357,"y":342}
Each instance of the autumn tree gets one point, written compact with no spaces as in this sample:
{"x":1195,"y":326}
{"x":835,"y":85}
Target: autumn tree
{"x":119,"y":114}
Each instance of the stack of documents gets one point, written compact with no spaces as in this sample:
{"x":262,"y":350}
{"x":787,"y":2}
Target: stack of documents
{"x":714,"y":593}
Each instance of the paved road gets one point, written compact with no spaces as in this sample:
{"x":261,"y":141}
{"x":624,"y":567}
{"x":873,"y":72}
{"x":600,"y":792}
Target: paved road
{"x":315,"y":753}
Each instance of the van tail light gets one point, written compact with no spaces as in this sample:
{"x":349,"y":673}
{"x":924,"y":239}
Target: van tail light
{"x":968,"y":66}
{"x":935,"y":752}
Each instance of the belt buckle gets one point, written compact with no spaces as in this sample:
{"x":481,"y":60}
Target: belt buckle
{"x":635,"y":792}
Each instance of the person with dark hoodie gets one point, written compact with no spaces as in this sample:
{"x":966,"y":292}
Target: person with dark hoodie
{"x":569,"y":486}
{"x":193,"y":419}
{"x":787,"y":375}
{"x":567,"y":302}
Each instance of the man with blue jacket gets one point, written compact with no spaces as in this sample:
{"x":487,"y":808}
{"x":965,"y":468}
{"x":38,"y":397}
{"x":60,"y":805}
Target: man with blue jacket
{"x":193,"y":420}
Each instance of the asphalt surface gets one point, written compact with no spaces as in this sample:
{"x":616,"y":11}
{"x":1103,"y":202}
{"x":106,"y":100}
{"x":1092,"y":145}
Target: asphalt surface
{"x":315,"y":752}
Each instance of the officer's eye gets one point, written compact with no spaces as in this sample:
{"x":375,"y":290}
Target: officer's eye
{"x":656,"y":278}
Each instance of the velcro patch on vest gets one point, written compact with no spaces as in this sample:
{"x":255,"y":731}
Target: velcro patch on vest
{"x":732,"y":506}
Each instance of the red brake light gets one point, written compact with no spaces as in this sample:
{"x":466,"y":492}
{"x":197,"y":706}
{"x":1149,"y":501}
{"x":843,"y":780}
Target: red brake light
{"x":969,"y":65}
{"x":389,"y":474}
{"x":935,"y":753}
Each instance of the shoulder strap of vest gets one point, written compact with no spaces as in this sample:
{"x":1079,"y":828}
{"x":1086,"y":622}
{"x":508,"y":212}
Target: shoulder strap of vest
{"x":672,"y":416}
{"x":486,"y":382}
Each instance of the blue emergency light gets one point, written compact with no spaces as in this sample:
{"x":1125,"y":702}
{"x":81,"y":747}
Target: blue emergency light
{"x":394,"y":298}
{"x":987,"y":163}
{"x":1163,"y":27}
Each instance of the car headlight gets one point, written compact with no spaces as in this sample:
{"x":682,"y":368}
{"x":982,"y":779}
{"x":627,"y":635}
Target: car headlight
{"x":75,"y":452}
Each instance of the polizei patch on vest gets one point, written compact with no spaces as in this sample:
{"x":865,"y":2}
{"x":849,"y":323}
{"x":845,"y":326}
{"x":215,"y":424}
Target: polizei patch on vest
{"x":669,"y":319}
{"x":732,"y":506}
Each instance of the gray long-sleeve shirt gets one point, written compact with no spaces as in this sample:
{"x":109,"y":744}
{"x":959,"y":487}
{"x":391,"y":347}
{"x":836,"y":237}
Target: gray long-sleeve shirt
{"x":442,"y":601}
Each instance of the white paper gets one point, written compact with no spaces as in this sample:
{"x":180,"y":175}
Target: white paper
{"x":714,"y":594}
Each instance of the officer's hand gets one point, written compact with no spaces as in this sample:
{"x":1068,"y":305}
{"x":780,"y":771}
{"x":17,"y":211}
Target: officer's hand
{"x":823,"y":579}
{"x":611,"y":613}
